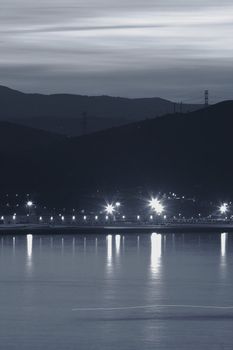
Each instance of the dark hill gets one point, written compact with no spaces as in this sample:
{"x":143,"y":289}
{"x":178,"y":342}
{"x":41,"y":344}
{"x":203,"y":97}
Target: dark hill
{"x":18,"y":139}
{"x":191,"y":153}
{"x":22,"y":150}
{"x":63,"y":113}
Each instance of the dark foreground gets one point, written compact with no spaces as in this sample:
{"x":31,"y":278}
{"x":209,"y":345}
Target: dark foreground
{"x":146,"y":291}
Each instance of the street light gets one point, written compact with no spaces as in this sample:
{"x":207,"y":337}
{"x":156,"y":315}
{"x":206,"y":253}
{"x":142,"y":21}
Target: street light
{"x":109,"y":208}
{"x":156,"y":206}
{"x":29,"y":205}
{"x":223,"y":208}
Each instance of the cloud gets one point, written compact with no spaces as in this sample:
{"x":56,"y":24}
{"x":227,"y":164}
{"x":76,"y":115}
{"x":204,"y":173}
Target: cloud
{"x":111,"y":46}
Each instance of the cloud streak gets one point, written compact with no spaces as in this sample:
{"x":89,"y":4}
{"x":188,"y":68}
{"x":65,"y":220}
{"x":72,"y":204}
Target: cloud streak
{"x":116,"y":49}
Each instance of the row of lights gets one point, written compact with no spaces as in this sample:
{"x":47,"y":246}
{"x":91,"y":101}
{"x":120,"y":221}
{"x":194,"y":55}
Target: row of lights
{"x":154,"y":203}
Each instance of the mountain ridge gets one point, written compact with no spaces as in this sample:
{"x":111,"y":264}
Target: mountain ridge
{"x":190,"y":153}
{"x":74,"y":115}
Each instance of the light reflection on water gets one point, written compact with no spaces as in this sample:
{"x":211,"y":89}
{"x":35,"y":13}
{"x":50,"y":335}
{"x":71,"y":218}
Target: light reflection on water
{"x":223,"y":244}
{"x":109,"y":252}
{"x":223,"y":260}
{"x":13,"y":240}
{"x":118,"y":244}
{"x":29,"y":253}
{"x":66,"y":271}
{"x":156,"y":251}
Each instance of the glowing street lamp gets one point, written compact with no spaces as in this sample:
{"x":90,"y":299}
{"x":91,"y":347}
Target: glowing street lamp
{"x":156,"y":206}
{"x":118,"y":204}
{"x":29,"y":205}
{"x":223,"y":208}
{"x":109,"y":208}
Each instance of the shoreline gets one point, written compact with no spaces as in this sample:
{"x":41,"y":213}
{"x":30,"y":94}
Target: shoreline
{"x":18,"y":229}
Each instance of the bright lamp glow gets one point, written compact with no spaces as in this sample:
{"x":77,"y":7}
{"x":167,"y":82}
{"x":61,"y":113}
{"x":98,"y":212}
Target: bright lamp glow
{"x":223,"y":208}
{"x":156,"y":205}
{"x":109,"y":208}
{"x":29,"y":203}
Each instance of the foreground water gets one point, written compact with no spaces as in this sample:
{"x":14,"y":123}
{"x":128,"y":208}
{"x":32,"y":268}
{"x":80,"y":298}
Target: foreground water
{"x":77,"y":292}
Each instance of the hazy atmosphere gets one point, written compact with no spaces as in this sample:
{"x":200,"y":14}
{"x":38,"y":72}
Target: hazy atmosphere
{"x":172,"y":49}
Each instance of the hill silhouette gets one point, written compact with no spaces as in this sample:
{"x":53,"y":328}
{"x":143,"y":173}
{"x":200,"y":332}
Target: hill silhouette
{"x":21,"y":152}
{"x":63,"y":113}
{"x":190,"y":153}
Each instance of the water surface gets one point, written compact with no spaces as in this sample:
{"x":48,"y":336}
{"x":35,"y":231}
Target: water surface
{"x":43,"y":278}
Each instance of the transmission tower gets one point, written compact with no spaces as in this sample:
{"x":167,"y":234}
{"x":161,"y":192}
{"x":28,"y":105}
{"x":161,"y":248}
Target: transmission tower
{"x":206,"y":98}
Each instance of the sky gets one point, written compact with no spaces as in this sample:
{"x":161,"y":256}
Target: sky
{"x":134,"y":48}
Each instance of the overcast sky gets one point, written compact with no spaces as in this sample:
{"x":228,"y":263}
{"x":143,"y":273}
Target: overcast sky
{"x":135,"y":48}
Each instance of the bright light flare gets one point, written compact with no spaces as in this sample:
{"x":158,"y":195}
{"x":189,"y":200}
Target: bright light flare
{"x":223,"y":208}
{"x":109,"y":208}
{"x":156,"y":206}
{"x":29,"y":204}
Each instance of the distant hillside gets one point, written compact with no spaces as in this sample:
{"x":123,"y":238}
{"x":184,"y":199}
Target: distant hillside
{"x":18,"y":139}
{"x":187,"y":152}
{"x":191,"y":153}
{"x":63,"y":113}
{"x":22,"y":150}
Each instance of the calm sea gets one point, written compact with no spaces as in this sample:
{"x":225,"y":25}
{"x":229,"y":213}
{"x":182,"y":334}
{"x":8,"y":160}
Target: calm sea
{"x":108,"y":292}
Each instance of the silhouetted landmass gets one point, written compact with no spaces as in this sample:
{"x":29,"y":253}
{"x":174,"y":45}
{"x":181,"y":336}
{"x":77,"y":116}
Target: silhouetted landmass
{"x":63,"y":113}
{"x":191,"y":153}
